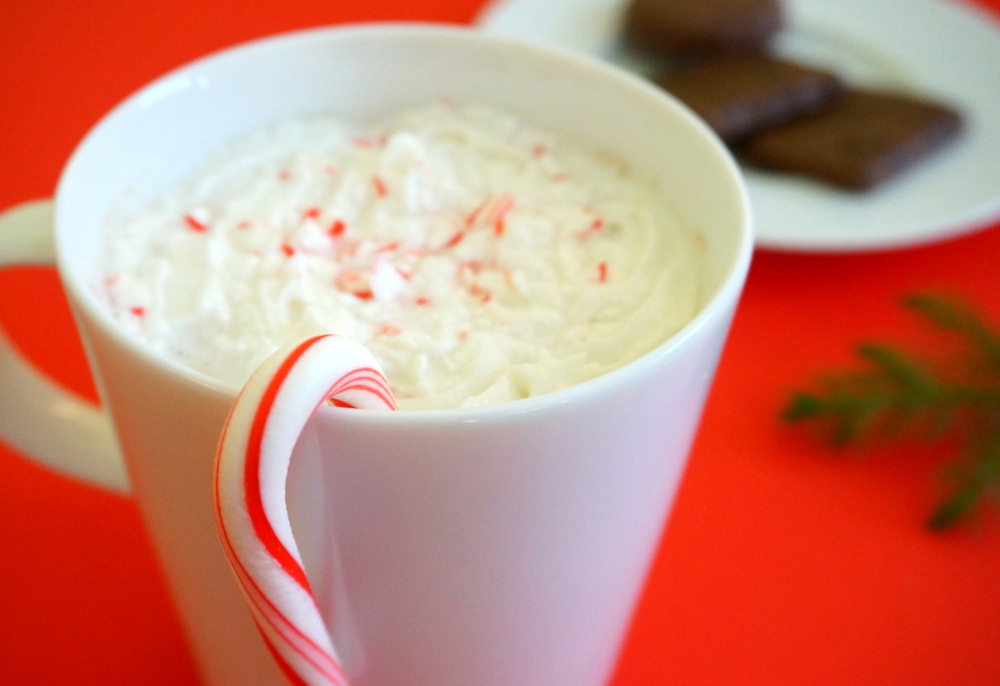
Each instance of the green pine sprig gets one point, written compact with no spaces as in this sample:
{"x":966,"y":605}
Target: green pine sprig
{"x":896,"y":395}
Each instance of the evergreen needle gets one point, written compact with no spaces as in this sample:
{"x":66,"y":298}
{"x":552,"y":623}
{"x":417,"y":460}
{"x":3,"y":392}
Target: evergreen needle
{"x":897,"y":395}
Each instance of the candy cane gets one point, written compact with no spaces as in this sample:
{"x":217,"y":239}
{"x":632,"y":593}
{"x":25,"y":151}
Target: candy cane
{"x":251,"y":468}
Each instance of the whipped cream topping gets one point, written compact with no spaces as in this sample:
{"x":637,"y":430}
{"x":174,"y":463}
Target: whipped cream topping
{"x":480,"y":260}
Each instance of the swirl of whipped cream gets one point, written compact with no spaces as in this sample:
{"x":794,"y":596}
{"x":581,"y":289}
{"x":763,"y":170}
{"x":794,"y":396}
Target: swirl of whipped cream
{"x":480,"y":260}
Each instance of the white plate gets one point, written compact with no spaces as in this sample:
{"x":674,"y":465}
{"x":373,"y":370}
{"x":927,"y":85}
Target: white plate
{"x":940,"y":49}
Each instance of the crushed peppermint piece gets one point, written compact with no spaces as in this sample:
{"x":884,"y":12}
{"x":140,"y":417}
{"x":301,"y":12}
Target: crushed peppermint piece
{"x":500,"y":208}
{"x":454,"y":240}
{"x":337,"y":227}
{"x":195,"y":224}
{"x":470,"y":218}
{"x":595,"y":227}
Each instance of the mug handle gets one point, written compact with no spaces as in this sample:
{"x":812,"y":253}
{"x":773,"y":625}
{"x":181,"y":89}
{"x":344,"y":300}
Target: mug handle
{"x":37,"y":417}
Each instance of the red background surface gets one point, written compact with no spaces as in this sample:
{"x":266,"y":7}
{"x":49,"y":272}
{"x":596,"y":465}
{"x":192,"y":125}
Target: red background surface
{"x":783,"y":562}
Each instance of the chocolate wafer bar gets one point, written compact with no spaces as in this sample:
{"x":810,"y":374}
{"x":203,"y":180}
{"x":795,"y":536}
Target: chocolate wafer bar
{"x":864,"y":139}
{"x":685,"y":27}
{"x":738,"y":95}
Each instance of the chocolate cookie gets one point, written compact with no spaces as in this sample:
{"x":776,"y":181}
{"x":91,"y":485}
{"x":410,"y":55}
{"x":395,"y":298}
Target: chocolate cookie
{"x":867,"y":137}
{"x":683,"y":27}
{"x":738,"y":95}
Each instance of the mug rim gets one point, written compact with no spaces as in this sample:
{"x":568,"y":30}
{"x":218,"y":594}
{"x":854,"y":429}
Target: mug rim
{"x":725,"y":293}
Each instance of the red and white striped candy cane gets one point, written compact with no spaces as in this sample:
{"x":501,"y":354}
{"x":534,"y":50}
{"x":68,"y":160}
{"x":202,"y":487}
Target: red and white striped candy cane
{"x":251,"y":468}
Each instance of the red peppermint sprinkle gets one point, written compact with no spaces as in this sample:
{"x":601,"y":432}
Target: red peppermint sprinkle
{"x":363,"y":294}
{"x":454,"y":240}
{"x":311,"y":213}
{"x":380,"y":188}
{"x":138,"y":311}
{"x":499,"y":210}
{"x":389,"y":330}
{"x":602,"y":272}
{"x":337,"y":227}
{"x":470,"y":219}
{"x":349,"y":280}
{"x":287,"y":249}
{"x":594,"y":227}
{"x":539,"y":150}
{"x":474,"y":266}
{"x":194,"y":224}
{"x":422,"y":301}
{"x":284,"y":175}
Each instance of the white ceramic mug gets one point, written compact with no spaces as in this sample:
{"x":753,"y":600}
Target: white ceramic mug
{"x":503,"y":545}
